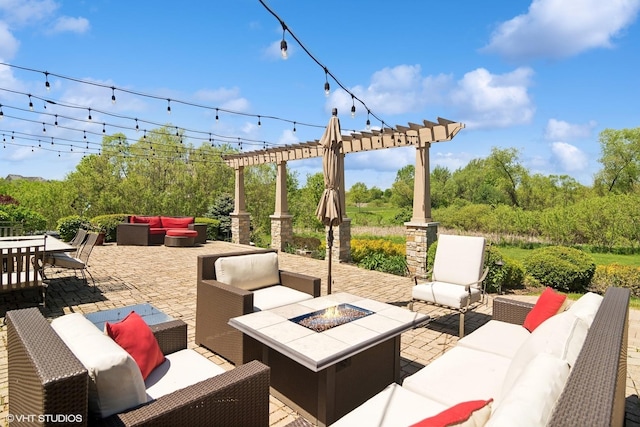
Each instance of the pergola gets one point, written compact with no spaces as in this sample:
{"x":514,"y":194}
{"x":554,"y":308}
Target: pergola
{"x":421,"y":230}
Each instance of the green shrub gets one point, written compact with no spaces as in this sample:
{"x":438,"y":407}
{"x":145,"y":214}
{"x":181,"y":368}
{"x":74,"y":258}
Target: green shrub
{"x":32,"y":222}
{"x":622,"y":276}
{"x":68,"y":226}
{"x":213,"y":227}
{"x":560,"y":267}
{"x":107,"y":224}
{"x":395,"y":264}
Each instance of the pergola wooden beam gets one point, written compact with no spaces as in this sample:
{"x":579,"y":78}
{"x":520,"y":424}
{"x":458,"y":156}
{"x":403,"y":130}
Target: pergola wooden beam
{"x":402,"y":136}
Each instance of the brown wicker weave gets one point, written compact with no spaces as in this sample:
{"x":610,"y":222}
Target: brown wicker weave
{"x":218,"y":302}
{"x":595,"y":391}
{"x":46,"y":378}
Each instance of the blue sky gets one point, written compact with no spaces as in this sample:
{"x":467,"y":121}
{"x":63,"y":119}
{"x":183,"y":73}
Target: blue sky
{"x":545,"y":77}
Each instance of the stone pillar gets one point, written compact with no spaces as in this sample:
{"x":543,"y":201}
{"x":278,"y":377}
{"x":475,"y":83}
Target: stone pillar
{"x":341,"y":251}
{"x":419,"y":237}
{"x":240,"y":220}
{"x":281,"y":221}
{"x":420,"y":231}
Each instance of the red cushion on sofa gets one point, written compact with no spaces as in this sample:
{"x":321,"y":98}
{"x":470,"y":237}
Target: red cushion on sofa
{"x":548,"y":304}
{"x":157,"y":230}
{"x":153,"y":221}
{"x":172,"y":222}
{"x":458,"y":414}
{"x":135,"y":336}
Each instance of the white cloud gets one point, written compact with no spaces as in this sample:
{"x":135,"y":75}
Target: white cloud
{"x":451,"y":161}
{"x":560,"y":130}
{"x":8,"y":44}
{"x":560,"y":28}
{"x":570,"y":157}
{"x":494,"y":100}
{"x":25,"y":12}
{"x":226,"y":98}
{"x":68,"y":24}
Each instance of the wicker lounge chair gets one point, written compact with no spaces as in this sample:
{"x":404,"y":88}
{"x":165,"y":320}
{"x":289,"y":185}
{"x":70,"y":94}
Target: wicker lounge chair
{"x":46,"y":378}
{"x":218,"y":302}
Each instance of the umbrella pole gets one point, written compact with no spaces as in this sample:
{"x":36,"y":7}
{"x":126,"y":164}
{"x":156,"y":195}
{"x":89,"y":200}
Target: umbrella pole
{"x":330,"y":245}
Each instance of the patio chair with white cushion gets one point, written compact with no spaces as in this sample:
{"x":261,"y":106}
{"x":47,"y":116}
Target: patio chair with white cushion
{"x":78,"y":262}
{"x":457,"y":278}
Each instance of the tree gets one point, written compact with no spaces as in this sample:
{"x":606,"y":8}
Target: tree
{"x":620,"y":160}
{"x":359,"y":194}
{"x":506,"y":172}
{"x":402,"y":187}
{"x":440,"y":177}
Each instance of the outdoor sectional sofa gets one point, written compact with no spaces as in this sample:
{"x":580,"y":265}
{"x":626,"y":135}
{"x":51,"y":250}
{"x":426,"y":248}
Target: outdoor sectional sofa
{"x":151,"y":230}
{"x":238,"y":283}
{"x":46,"y":378}
{"x":570,"y":371}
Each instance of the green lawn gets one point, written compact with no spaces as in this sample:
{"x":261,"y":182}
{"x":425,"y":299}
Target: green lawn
{"x":601,"y":259}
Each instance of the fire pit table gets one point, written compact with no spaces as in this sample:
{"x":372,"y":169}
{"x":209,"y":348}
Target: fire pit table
{"x":329,"y":354}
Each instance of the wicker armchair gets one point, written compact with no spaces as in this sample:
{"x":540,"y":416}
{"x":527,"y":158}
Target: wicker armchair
{"x":46,"y":378}
{"x":218,"y":302}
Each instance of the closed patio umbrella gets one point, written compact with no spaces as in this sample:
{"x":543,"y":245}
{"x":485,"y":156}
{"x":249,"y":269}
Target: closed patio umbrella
{"x":329,"y":209}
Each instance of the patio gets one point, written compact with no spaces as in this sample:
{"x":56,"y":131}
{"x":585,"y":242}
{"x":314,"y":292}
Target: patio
{"x":166,"y":277}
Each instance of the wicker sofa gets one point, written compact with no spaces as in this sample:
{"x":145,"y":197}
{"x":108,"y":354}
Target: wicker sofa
{"x":151,"y":230}
{"x":244,"y":285}
{"x":589,"y":391}
{"x":46,"y":378}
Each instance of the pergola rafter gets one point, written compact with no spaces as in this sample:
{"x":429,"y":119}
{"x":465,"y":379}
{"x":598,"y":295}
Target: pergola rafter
{"x":402,"y":136}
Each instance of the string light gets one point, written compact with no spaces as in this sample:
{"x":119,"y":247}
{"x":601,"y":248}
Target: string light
{"x":294,"y":127}
{"x":168,"y":106}
{"x":56,"y":122}
{"x":90,"y":114}
{"x":259,"y":123}
{"x":103,"y":128}
{"x":1,"y":113}
{"x":30,"y":103}
{"x":368,"y":125}
{"x":283,"y":43}
{"x":137,"y":127}
{"x":46,"y":81}
{"x":113,"y":95}
{"x":217,"y":119}
{"x":44,"y":129}
{"x":327,"y":87}
{"x":353,"y":107}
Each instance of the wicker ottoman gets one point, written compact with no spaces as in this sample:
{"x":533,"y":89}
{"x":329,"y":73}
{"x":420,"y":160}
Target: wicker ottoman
{"x":176,"y":237}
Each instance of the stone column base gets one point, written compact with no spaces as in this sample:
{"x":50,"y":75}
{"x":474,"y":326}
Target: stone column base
{"x":419,"y":237}
{"x":281,"y":231}
{"x":240,"y":228}
{"x":341,"y":251}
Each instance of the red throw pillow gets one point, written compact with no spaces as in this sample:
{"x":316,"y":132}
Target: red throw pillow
{"x":135,"y":336}
{"x":548,"y":304}
{"x":458,"y":414}
{"x":153,"y":221}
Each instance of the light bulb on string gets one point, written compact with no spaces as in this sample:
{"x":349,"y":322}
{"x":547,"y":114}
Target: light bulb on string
{"x":90,"y":114}
{"x":137,"y":127}
{"x":259,"y":123}
{"x":217,"y":116}
{"x":1,"y":113}
{"x":103,"y":128}
{"x":85,"y":134}
{"x":113,"y":95}
{"x":294,"y":127}
{"x":327,"y":87}
{"x":30,"y":103}
{"x":46,"y":81}
{"x":56,"y":122}
{"x":368,"y":125}
{"x":44,"y":129}
{"x":353,"y":107}
{"x":283,"y":43}
{"x":168,"y":106}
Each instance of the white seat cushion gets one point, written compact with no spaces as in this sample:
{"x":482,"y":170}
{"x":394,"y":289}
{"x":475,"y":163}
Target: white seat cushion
{"x":180,"y":369}
{"x":460,"y":375}
{"x":249,"y":272}
{"x":533,"y":396}
{"x":501,"y":338}
{"x":116,"y":381}
{"x":277,"y":296}
{"x":392,"y":407}
{"x":448,"y":294}
{"x":65,"y":261}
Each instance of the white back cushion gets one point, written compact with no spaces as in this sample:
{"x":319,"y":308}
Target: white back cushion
{"x":532,"y":398}
{"x":249,"y":272}
{"x":116,"y":381}
{"x":586,"y":307}
{"x":561,"y":336}
{"x":459,"y":259}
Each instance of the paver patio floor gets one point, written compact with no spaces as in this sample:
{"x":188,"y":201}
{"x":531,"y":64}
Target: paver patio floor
{"x":166,"y":277}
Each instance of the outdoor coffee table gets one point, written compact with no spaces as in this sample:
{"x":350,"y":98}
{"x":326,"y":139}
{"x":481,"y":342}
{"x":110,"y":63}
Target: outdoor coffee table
{"x":324,"y":375}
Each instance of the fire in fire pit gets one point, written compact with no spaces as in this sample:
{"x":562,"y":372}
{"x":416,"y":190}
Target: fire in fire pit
{"x":331,"y":317}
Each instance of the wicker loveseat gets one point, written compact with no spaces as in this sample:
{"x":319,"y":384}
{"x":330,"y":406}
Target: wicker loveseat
{"x":46,"y":379}
{"x":586,"y":387}
{"x":239,"y":283}
{"x":151,"y":230}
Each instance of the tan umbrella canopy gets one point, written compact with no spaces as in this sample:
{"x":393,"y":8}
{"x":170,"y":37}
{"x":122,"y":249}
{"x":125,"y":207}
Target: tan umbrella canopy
{"x":329,"y":209}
